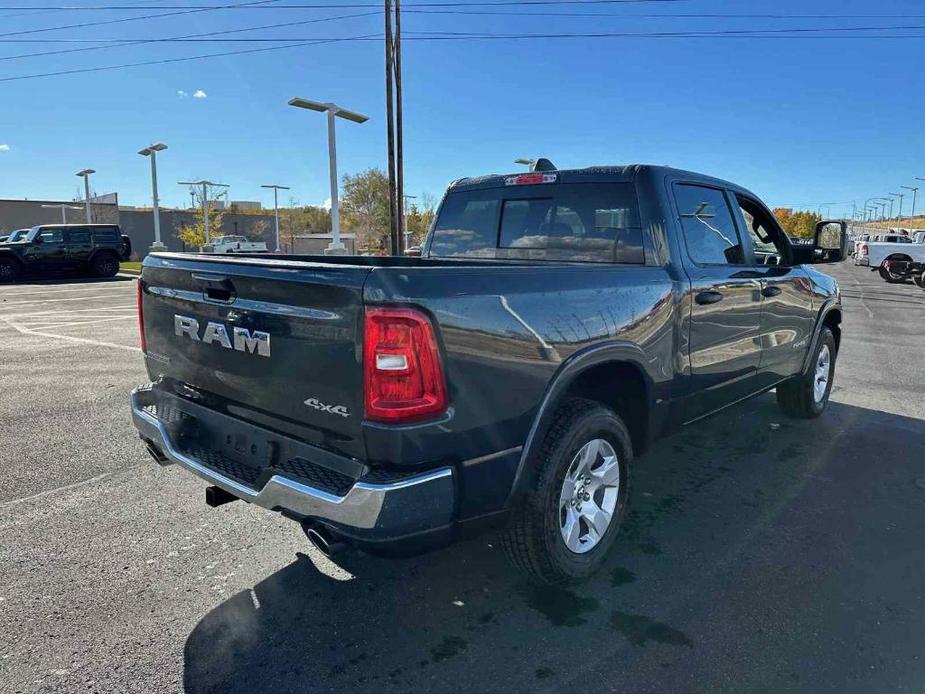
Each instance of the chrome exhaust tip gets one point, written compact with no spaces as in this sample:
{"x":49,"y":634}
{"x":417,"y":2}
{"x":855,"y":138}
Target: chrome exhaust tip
{"x":323,"y":541}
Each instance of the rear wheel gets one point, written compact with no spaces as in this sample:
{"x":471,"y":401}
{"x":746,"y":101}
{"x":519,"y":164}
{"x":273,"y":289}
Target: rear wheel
{"x":571,"y":516}
{"x":919,"y":279}
{"x":105,"y":265}
{"x":807,"y":395}
{"x":889,"y":276}
{"x":9,"y":270}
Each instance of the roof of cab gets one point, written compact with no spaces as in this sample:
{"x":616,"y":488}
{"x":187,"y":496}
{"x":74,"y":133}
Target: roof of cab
{"x":596,"y":174}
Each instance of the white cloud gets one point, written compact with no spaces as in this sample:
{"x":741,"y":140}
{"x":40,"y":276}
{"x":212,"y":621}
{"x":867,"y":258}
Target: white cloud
{"x":199,"y":94}
{"x":4,"y":148}
{"x":182,"y":94}
{"x":326,"y":205}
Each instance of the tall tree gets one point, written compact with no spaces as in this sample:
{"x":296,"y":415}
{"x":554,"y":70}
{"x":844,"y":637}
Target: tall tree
{"x":365,"y":208}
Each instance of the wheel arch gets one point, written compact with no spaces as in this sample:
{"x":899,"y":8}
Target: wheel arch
{"x":591,"y":374}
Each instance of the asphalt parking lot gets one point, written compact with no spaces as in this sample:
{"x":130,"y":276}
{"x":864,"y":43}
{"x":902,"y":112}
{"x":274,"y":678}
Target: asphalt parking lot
{"x":760,"y":554}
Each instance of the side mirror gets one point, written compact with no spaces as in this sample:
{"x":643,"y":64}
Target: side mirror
{"x":37,"y":240}
{"x":830,"y":243}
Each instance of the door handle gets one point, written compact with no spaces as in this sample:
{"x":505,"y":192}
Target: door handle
{"x":708,"y":297}
{"x":770,"y":291}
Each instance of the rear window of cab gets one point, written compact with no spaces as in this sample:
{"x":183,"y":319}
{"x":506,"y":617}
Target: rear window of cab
{"x":565,"y":222}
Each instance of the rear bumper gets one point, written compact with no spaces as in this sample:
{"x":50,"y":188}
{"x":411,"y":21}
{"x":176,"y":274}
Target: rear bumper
{"x":366,"y":512}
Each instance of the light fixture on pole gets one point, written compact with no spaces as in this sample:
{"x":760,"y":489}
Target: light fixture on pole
{"x":529,"y":163}
{"x":63,"y":207}
{"x":404,"y":216}
{"x":914,"y":189}
{"x":85,"y":174}
{"x":332,"y":111}
{"x":151,"y":151}
{"x":900,"y":196}
{"x":883,"y":202}
{"x":205,"y":200}
{"x":276,"y":190}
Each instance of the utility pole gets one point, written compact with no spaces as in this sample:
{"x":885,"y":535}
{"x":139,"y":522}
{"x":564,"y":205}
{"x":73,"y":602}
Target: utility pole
{"x":913,"y":189}
{"x":390,"y":125}
{"x":205,"y":201}
{"x":276,"y":190}
{"x":151,"y":151}
{"x":399,"y":137}
{"x":85,"y":174}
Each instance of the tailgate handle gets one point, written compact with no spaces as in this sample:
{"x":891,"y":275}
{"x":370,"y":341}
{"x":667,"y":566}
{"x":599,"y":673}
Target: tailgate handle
{"x":216,"y":287}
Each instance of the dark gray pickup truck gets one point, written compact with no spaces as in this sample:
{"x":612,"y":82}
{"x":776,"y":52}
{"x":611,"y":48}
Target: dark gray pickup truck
{"x":555,"y":324}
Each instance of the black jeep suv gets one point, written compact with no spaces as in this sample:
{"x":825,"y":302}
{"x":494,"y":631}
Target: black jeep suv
{"x":53,"y":248}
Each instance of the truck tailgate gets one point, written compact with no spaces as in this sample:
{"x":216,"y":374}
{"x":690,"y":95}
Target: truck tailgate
{"x":270,"y":342}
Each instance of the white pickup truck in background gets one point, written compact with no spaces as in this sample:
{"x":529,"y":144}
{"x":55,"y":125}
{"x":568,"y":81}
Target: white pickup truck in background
{"x":234,"y":244}
{"x":878,"y":255}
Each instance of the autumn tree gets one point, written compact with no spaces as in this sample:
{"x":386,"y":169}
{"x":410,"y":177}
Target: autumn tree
{"x":801,"y":224}
{"x":365,"y":208}
{"x":193,"y":234}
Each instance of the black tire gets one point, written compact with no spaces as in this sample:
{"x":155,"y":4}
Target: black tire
{"x":104,"y":265}
{"x":919,"y":279}
{"x":890,"y":277}
{"x":9,"y":270}
{"x":796,"y":397}
{"x":533,"y":540}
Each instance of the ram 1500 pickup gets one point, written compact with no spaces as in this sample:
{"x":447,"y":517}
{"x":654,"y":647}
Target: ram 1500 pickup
{"x":555,"y":324}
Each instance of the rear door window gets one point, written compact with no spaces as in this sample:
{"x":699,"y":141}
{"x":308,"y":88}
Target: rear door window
{"x":587,"y":222}
{"x":76,"y":236}
{"x":110,"y":235}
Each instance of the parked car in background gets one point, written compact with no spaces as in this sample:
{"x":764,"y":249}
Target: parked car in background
{"x":14,"y":236}
{"x":556,"y":323}
{"x":54,"y":248}
{"x":234,"y":244}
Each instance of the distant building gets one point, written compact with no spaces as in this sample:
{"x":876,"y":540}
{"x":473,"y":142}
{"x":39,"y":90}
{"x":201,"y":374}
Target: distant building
{"x":314,"y":244}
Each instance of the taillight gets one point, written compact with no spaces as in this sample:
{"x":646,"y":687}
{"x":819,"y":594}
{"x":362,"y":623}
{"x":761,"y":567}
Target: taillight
{"x":403,"y":374}
{"x":863,"y":249}
{"x":141,"y":317}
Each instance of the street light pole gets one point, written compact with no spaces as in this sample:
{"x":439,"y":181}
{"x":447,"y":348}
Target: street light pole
{"x":151,"y":151}
{"x":205,"y":200}
{"x":63,"y":207}
{"x":404,"y":216}
{"x":332,"y":111}
{"x":900,"y":196}
{"x":276,"y":190}
{"x":85,"y":174}
{"x":914,"y":190}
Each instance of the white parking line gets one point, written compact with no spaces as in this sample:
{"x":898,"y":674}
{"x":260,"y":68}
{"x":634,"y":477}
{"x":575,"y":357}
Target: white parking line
{"x":55,"y":301}
{"x":81,"y":322}
{"x":68,"y":338}
{"x":67,"y":311}
{"x":68,"y":290}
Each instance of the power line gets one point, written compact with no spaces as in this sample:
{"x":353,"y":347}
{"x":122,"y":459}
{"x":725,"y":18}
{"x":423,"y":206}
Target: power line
{"x":134,"y":19}
{"x":663,"y":15}
{"x":315,"y":6}
{"x":205,"y":37}
{"x":447,"y":36}
{"x":120,"y":43}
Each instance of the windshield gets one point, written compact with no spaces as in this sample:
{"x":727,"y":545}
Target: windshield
{"x":18,"y":235}
{"x":587,"y":222}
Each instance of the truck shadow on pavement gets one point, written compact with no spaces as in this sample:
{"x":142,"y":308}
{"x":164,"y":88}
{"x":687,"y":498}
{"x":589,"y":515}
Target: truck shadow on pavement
{"x":733,"y":558}
{"x":64,"y":279}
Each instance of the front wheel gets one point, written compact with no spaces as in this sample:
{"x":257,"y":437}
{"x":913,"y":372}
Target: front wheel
{"x":807,"y":395}
{"x":571,"y":515}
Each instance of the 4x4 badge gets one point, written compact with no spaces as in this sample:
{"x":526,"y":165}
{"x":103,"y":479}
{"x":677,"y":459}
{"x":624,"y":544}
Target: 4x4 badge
{"x":316,"y":404}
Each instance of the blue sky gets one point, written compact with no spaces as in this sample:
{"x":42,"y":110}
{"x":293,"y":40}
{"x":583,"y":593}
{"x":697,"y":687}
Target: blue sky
{"x":801,"y":122}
